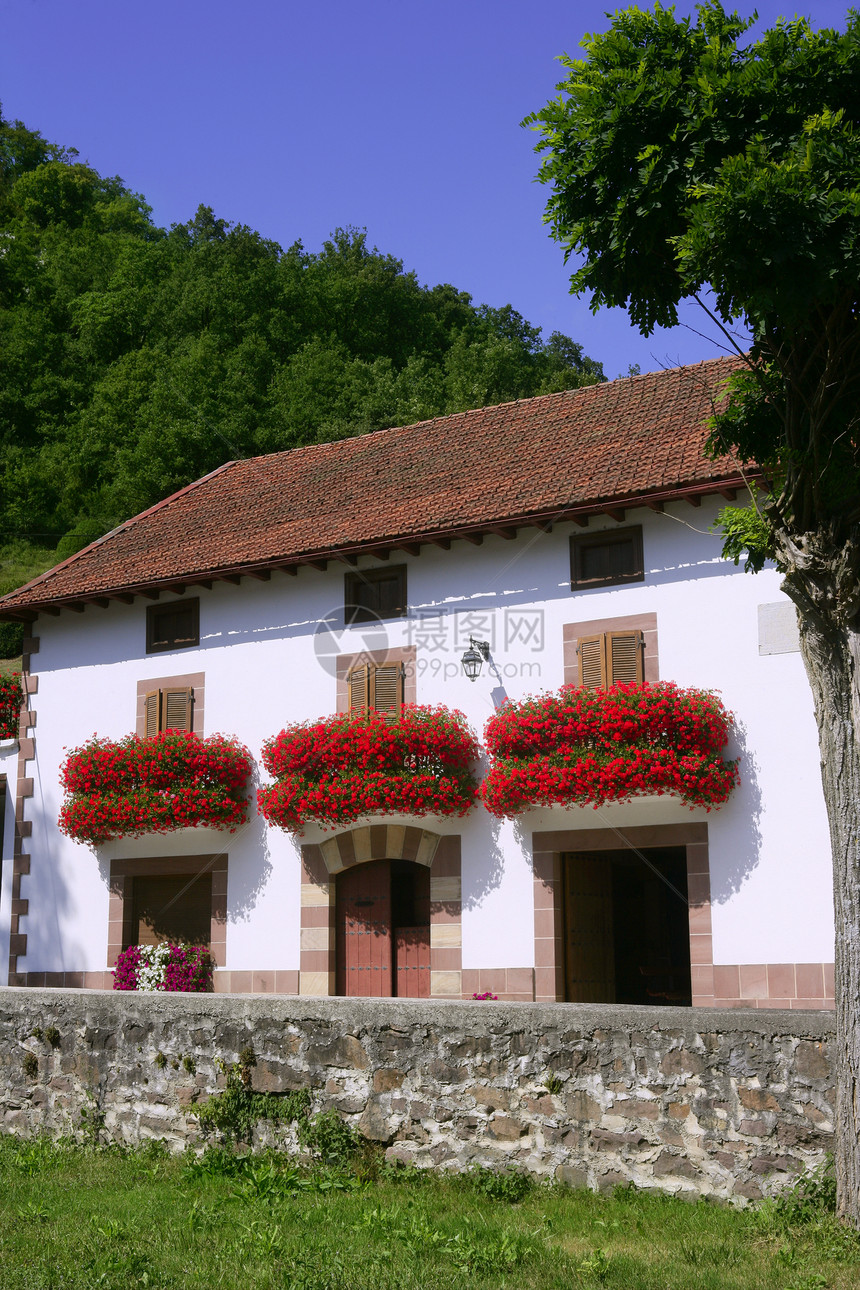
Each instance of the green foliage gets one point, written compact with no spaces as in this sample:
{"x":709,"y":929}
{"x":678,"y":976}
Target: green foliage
{"x":78,"y":1217}
{"x":329,"y":1139}
{"x":745,"y":533}
{"x":19,"y":562}
{"x":237,"y":1110}
{"x":596,"y":1267}
{"x":681,"y":158}
{"x":500,"y":1184}
{"x":811,"y":1198}
{"x":215,"y":1162}
{"x":30,"y":1065}
{"x":138,"y":358}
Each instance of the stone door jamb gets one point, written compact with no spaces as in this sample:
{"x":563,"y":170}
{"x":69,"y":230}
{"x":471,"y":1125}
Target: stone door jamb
{"x":322,"y":862}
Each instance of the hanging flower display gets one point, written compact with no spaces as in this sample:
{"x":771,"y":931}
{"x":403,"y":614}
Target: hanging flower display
{"x":338,"y":769}
{"x":173,"y":780}
{"x":180,"y":967}
{"x":594,"y":746}
{"x":11,"y":698}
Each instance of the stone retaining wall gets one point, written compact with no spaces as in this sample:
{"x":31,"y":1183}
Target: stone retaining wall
{"x":730,"y":1104}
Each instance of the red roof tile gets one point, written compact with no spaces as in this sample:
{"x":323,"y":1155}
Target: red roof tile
{"x":536,"y":458}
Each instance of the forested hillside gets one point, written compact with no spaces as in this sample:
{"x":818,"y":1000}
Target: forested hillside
{"x":133,"y":358}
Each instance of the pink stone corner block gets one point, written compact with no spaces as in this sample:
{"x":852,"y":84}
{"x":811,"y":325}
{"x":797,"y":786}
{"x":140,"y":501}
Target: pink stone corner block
{"x":780,"y":981}
{"x":810,"y":980}
{"x":829,"y":980}
{"x":727,"y":981}
{"x":753,"y":980}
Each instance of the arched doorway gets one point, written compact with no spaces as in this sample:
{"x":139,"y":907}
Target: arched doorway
{"x":382,"y":939}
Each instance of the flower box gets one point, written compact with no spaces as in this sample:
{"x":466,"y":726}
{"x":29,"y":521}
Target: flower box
{"x":356,"y":764}
{"x":180,"y":967}
{"x":173,"y":780}
{"x":595,"y":746}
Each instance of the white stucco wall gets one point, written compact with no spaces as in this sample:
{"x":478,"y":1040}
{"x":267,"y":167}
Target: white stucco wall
{"x":267,"y":662}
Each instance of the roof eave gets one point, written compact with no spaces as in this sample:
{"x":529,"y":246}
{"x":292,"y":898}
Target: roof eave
{"x":578,"y":513}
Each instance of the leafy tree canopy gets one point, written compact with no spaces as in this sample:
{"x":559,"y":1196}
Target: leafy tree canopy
{"x":682,"y":158}
{"x":136,"y":358}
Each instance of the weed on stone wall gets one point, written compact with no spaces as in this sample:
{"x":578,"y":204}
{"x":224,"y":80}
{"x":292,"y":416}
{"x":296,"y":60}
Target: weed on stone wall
{"x":237,"y":1110}
{"x":500,"y":1184}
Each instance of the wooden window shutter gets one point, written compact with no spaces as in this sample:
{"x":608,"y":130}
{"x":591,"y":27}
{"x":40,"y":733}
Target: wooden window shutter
{"x":386,"y":688}
{"x":152,"y":713}
{"x":624,"y":651}
{"x":592,"y":662}
{"x":176,"y":709}
{"x":357,"y":686}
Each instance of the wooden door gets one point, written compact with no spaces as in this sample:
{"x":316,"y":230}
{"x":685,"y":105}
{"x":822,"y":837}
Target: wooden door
{"x":363,"y":942}
{"x":412,"y":939}
{"x":589,"y":948}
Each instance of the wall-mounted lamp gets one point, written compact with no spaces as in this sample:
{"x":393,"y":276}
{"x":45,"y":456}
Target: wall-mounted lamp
{"x":477,"y":653}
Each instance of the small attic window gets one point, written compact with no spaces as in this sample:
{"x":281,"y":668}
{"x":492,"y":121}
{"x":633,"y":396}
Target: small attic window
{"x":175,"y":625}
{"x":604,"y":559}
{"x":375,"y":593}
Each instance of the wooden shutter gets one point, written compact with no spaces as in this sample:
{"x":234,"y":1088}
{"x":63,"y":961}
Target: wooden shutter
{"x":176,"y":709}
{"x":152,"y":713}
{"x":386,"y":688}
{"x":592,"y":662}
{"x":624,"y":652}
{"x":357,"y":686}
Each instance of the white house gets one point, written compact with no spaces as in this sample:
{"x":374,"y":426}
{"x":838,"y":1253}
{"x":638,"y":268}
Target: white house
{"x":245,"y":602}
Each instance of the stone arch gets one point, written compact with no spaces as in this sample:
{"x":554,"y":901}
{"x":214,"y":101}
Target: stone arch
{"x":379,"y":842}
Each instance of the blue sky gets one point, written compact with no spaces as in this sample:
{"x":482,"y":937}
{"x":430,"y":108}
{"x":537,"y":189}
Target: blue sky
{"x":401,"y":116}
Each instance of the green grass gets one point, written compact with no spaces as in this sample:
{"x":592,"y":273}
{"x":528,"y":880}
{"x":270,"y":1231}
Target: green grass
{"x":74,"y":1216}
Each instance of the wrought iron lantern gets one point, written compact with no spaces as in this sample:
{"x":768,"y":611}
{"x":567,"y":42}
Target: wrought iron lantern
{"x":477,"y":654}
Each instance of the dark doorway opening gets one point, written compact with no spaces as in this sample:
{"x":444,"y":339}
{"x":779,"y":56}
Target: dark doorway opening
{"x":382,"y":940}
{"x":175,"y":908}
{"x":626,"y":932}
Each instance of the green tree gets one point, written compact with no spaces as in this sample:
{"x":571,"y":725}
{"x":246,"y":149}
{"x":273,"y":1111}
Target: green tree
{"x":135,"y":359}
{"x":682,"y":158}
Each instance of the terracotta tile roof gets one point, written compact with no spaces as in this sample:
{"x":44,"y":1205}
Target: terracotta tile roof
{"x":571,"y":452}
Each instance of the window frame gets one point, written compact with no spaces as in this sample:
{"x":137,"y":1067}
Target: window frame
{"x":120,"y":902}
{"x":193,"y":681}
{"x":405,"y":655}
{"x":154,"y":612}
{"x":606,"y":537}
{"x":353,"y":611}
{"x":646,"y":623}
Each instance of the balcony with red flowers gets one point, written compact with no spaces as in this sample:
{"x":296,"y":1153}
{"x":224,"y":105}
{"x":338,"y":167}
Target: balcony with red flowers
{"x":344,"y":768}
{"x":589,"y":747}
{"x":173,"y":780}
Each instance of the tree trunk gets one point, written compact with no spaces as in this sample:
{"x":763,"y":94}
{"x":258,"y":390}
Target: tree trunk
{"x":831,"y":653}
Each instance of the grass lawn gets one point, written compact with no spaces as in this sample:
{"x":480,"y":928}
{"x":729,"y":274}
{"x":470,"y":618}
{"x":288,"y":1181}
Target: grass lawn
{"x":84,"y":1216}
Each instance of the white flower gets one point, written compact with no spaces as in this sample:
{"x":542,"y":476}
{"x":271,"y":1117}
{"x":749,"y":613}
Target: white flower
{"x":153,"y":961}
